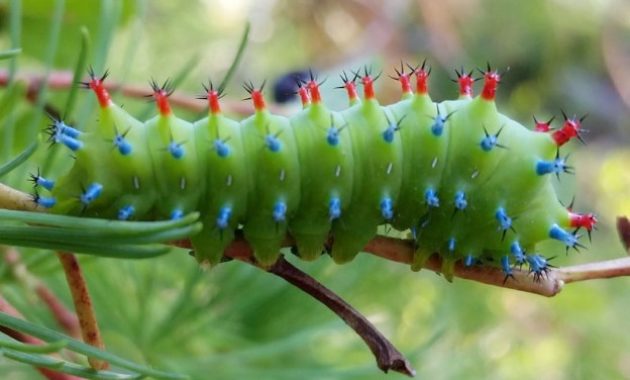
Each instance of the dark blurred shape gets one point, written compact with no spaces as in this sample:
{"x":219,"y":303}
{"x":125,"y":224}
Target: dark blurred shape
{"x":285,"y":87}
{"x":623,"y":227}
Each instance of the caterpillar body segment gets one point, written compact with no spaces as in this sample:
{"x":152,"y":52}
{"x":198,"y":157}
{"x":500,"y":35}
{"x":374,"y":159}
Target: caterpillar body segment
{"x":274,"y":177}
{"x":326,"y":176}
{"x":468,"y":182}
{"x":219,"y":146}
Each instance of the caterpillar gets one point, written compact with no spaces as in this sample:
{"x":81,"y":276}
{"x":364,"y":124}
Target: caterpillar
{"x":465,"y":180}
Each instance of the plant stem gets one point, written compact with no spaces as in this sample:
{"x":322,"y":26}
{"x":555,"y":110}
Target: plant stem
{"x":63,"y":80}
{"x":387,"y":356}
{"x":16,"y":200}
{"x":83,"y":306}
{"x":401,"y":250}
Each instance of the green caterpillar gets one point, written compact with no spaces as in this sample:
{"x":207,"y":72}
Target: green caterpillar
{"x":467,"y":181}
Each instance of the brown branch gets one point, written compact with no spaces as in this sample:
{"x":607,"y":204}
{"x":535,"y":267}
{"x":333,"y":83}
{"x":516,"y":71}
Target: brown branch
{"x":83,"y":306}
{"x":400,"y":250}
{"x":7,"y":308}
{"x":387,"y":356}
{"x":62,"y":80}
{"x":12,"y":199}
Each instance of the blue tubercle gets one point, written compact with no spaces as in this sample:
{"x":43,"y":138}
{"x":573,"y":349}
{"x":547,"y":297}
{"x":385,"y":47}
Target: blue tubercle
{"x":334,"y":208}
{"x":505,"y":222}
{"x":123,"y":146}
{"x":469,"y":260}
{"x":43,"y":182}
{"x":66,"y":135}
{"x":65,"y":129}
{"x":221,"y":147}
{"x":72,"y":143}
{"x":556,"y":166}
{"x":176,"y":149}
{"x":451,"y":244}
{"x":279,"y":212}
{"x":517,"y":252}
{"x":126,"y":212}
{"x":430,"y":196}
{"x":223,"y":219}
{"x":178,"y":213}
{"x":332,"y":137}
{"x":46,"y":202}
{"x":91,"y":193}
{"x":488,"y":142}
{"x":388,"y":134}
{"x":438,"y":125}
{"x":537,"y":265}
{"x":387,"y":208}
{"x":273,"y":143}
{"x":460,"y":200}
{"x":505,"y":265}
{"x":569,"y":239}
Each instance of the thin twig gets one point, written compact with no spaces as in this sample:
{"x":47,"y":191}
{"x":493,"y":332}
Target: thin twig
{"x":83,"y":306}
{"x":62,"y":80}
{"x":387,"y":356}
{"x":16,"y":200}
{"x":401,"y":250}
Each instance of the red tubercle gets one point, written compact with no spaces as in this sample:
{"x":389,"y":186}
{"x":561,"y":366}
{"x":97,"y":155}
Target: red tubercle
{"x":422,"y":78}
{"x":351,"y":89}
{"x":405,"y":83}
{"x":258,"y":100}
{"x":465,"y":82}
{"x":313,"y":89}
{"x":213,"y":96}
{"x":304,"y":96}
{"x":213,"y":102}
{"x":96,"y":84}
{"x":586,"y":221}
{"x":404,"y":79}
{"x":542,"y":126}
{"x":422,"y":81}
{"x":256,"y":95}
{"x":490,"y":84}
{"x":570,"y":129}
{"x":350,"y":86}
{"x":161,"y":101}
{"x":368,"y":87}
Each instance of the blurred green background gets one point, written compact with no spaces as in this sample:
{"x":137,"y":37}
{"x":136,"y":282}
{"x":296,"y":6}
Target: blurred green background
{"x":238,"y":322}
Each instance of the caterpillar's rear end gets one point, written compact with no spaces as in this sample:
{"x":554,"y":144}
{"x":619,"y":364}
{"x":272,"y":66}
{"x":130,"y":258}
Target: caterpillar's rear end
{"x":466,"y":181}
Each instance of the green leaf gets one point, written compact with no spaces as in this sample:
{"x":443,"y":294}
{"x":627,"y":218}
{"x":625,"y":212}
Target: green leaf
{"x":116,"y":251}
{"x":18,"y":160}
{"x":237,"y":58}
{"x":9,"y":53}
{"x":79,"y":70}
{"x":66,"y":367}
{"x":49,"y":335}
{"x":33,"y":348}
{"x":105,"y":226}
